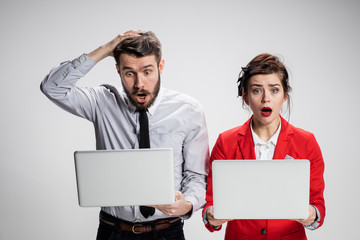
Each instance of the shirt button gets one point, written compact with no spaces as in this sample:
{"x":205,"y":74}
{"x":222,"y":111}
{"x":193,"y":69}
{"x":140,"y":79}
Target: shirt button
{"x":263,"y":231}
{"x":82,"y":58}
{"x":138,"y":217}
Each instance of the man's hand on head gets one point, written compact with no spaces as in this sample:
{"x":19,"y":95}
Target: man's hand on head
{"x":107,"y":50}
{"x":120,"y":37}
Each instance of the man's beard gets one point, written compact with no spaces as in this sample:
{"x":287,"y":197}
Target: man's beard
{"x":140,"y":106}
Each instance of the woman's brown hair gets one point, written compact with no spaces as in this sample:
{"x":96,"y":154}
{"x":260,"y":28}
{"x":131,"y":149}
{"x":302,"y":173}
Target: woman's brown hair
{"x":264,"y":64}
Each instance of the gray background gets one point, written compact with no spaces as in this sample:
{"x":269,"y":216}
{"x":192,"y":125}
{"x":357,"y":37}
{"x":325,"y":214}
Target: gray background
{"x":204,"y":43}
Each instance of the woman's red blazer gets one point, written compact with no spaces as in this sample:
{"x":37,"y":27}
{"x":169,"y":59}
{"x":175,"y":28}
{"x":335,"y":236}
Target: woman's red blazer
{"x":237,"y":143}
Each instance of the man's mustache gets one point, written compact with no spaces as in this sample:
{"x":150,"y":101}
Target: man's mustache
{"x":140,"y":92}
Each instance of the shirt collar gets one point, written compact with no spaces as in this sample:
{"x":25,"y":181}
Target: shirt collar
{"x":156,"y":103}
{"x":272,"y":140}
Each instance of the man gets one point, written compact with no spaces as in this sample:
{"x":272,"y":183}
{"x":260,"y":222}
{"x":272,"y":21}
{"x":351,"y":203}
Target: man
{"x":175,"y":121}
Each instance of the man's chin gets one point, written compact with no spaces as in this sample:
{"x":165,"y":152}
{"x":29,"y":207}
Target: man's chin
{"x":142,"y":105}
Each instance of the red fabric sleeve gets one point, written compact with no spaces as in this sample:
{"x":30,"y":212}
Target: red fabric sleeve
{"x":217,"y":153}
{"x":317,"y":184}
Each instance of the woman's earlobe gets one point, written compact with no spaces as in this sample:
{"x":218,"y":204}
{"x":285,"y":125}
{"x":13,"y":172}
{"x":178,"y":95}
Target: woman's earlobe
{"x":244,"y":97}
{"x":286,"y":96}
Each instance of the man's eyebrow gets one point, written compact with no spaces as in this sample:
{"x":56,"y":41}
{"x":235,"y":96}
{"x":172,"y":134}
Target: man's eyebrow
{"x":144,"y":67}
{"x":126,"y":68}
{"x":150,"y":65}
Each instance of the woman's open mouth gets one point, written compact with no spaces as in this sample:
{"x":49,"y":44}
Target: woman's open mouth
{"x":266,"y":111}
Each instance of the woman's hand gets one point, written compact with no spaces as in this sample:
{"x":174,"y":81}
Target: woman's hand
{"x":310,"y":219}
{"x":212,"y":220}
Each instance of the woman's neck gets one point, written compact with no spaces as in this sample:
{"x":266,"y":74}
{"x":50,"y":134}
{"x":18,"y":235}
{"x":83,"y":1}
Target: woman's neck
{"x":265,"y":132}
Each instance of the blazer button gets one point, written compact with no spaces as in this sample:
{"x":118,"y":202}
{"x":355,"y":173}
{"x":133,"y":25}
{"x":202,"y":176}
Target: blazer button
{"x":263,"y":231}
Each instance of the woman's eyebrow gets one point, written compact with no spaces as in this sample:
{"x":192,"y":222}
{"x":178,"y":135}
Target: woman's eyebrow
{"x":256,"y":85}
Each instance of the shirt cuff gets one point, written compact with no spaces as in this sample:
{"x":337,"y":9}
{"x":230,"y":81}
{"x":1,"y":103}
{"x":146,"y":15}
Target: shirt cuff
{"x":207,"y":224}
{"x":191,"y":200}
{"x":316,"y":223}
{"x":83,"y":64}
{"x":196,"y":204}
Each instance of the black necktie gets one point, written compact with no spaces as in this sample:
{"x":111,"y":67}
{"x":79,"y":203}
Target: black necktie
{"x":144,"y":142}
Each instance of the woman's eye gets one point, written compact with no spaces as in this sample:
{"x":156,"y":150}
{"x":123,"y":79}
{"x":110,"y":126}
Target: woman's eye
{"x":275,"y":90}
{"x":257,"y":91}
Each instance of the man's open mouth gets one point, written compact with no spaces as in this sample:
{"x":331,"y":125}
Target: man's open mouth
{"x":141,"y":95}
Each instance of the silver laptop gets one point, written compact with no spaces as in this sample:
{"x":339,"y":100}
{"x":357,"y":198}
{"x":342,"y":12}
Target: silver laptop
{"x":125,"y":177}
{"x":257,"y":189}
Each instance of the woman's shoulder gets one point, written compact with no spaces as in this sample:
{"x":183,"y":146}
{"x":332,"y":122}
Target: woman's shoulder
{"x":297,"y":132}
{"x":236,"y":131}
{"x":232,"y":131}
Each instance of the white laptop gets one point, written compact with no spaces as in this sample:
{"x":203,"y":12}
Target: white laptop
{"x":125,"y":177}
{"x":258,"y":189}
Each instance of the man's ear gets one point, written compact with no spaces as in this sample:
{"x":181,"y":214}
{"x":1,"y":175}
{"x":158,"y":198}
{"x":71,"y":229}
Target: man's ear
{"x":117,"y":69}
{"x":161,"y":65}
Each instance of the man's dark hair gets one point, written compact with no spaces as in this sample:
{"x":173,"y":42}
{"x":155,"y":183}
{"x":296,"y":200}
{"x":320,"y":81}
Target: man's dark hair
{"x":144,"y":45}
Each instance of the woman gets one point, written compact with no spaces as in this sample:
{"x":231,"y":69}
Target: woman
{"x":263,"y":85}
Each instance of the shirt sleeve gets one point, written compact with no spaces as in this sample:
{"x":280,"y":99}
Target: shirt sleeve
{"x":207,"y":223}
{"x":316,"y":223}
{"x":59,"y":87}
{"x":196,"y":155}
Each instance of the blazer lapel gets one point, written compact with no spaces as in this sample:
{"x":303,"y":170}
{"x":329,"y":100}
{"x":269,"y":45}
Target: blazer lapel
{"x":245,"y":142}
{"x":282,"y":145}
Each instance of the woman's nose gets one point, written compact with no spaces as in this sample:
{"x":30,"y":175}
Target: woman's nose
{"x":265,"y":97}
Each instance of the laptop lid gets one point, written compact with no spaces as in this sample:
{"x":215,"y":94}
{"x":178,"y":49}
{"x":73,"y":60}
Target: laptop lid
{"x":258,"y":189}
{"x":125,"y":177}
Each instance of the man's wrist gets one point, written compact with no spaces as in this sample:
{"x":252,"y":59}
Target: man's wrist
{"x":189,"y":208}
{"x":100,"y":53}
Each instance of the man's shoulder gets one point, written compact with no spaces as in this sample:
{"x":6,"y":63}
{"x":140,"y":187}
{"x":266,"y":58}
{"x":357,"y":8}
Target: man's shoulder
{"x":178,"y":97}
{"x":106,"y":94}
